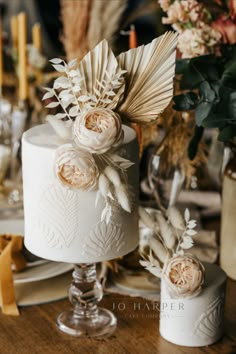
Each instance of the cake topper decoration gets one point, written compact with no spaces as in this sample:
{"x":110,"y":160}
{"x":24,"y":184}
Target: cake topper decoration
{"x":182,"y":273}
{"x":94,"y":96}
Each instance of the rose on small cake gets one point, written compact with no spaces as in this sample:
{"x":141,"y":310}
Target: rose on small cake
{"x":97,"y":130}
{"x":75,"y":168}
{"x":184,"y":276}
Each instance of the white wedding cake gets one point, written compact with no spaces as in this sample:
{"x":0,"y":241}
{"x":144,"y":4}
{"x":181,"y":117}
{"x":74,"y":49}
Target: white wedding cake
{"x":63,"y":224}
{"x":197,"y":321}
{"x":192,"y":293}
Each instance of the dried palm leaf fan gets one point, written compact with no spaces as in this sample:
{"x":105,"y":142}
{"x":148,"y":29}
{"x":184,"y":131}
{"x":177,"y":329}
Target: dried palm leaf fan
{"x":150,"y":84}
{"x":87,"y":22}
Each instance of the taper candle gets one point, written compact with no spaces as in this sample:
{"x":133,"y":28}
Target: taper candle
{"x":37,"y":43}
{"x":1,"y":57}
{"x":36,"y":36}
{"x":14,"y":32}
{"x":132,"y":37}
{"x":22,"y":40}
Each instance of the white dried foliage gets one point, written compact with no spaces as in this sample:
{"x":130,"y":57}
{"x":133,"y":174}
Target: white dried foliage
{"x":113,"y":176}
{"x":175,"y":218}
{"x":98,"y":81}
{"x":172,"y":236}
{"x":187,"y":243}
{"x":122,"y":197}
{"x":103,"y":77}
{"x":167,"y":232}
{"x":158,"y":249}
{"x":139,"y":81}
{"x":146,"y":218}
{"x":185,"y":240}
{"x":152,"y":265}
{"x":121,"y":161}
{"x":103,"y":185}
{"x":107,"y":213}
{"x":186,"y":215}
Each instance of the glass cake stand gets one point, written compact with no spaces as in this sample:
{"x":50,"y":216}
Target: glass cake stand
{"x":86,"y":319}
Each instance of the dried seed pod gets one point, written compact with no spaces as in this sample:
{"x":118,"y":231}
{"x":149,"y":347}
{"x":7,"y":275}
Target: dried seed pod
{"x":158,"y":249}
{"x":146,"y":218}
{"x":166,"y":231}
{"x":113,"y":176}
{"x":103,"y":185}
{"x":175,"y":218}
{"x":122,"y":197}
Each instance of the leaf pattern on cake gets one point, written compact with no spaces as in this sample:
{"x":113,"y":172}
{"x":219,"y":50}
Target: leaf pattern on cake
{"x":211,"y":321}
{"x":58,"y":216}
{"x":104,"y":238}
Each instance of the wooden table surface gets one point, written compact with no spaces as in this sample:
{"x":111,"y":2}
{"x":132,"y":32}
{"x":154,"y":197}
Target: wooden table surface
{"x":35,"y":332}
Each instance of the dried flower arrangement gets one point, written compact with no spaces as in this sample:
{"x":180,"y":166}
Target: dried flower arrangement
{"x":182,"y":272}
{"x":94,"y":96}
{"x":207,"y":43}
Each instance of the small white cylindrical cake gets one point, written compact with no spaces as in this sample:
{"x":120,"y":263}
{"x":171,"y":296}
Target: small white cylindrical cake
{"x":68,"y":224}
{"x":196,"y":321}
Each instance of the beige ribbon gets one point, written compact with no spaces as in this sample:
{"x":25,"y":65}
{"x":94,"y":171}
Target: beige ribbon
{"x":10,"y":253}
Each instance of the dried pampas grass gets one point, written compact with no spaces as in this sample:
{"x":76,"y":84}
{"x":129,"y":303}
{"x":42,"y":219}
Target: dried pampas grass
{"x":87,"y":22}
{"x":104,"y":20}
{"x":75,"y":17}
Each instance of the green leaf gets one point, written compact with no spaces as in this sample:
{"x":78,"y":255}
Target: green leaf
{"x":232,"y":105}
{"x":216,"y":121}
{"x":209,"y":66}
{"x":202,"y":111}
{"x":229,"y":75}
{"x":181,"y":66}
{"x":227,"y":133}
{"x":191,"y":78}
{"x":185,"y":102}
{"x":193,"y":145}
{"x":206,"y":92}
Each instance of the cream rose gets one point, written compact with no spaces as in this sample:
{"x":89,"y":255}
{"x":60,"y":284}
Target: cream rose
{"x":184,"y":276}
{"x":76,"y":168}
{"x":98,"y":130}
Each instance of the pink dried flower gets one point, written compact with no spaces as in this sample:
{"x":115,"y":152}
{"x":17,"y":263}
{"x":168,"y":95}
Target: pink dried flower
{"x":198,"y":41}
{"x":184,"y":276}
{"x":182,"y":12}
{"x":164,"y":4}
{"x":227,"y":27}
{"x":175,"y":13}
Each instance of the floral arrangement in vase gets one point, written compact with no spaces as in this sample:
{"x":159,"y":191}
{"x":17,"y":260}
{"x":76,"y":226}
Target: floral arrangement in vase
{"x":182,"y":273}
{"x":94,"y":97}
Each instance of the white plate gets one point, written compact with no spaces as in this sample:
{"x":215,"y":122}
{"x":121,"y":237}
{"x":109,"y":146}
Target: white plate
{"x":41,"y":272}
{"x":12,"y":226}
{"x":38,"y":270}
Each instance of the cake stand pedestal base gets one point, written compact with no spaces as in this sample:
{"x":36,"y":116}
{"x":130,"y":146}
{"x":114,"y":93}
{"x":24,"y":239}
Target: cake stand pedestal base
{"x":86,"y":319}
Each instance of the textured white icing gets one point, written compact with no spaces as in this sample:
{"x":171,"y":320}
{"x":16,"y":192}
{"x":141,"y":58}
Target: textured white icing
{"x":63,"y":224}
{"x":198,"y":321}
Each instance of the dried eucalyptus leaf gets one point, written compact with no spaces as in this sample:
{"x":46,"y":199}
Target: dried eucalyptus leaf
{"x":191,"y":232}
{"x":47,"y":95}
{"x":56,"y":61}
{"x":186,"y":215}
{"x":59,"y":68}
{"x":53,"y":105}
{"x":175,"y":218}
